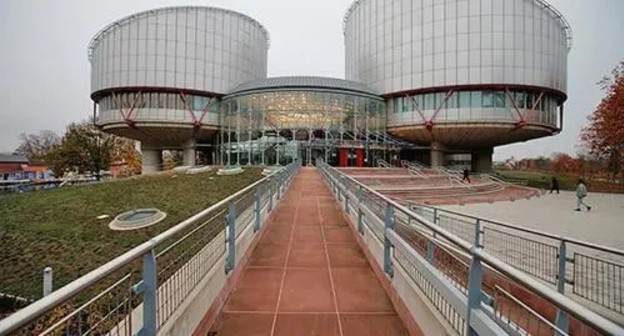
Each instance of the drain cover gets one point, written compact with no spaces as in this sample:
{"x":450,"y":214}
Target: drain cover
{"x":136,"y":219}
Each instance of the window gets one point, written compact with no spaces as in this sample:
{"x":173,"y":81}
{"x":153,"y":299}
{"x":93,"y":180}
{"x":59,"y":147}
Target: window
{"x":452,"y":102}
{"x":429,"y":102}
{"x":499,"y":99}
{"x":520,"y":99}
{"x":475,"y":99}
{"x":488,"y":99}
{"x":464,"y":99}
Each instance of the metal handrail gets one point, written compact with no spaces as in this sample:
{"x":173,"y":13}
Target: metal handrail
{"x":572,"y":308}
{"x":49,"y":302}
{"x":528,"y":230}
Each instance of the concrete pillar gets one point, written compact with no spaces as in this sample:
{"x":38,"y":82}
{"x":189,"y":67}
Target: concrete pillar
{"x":482,"y":160}
{"x":188,"y":154}
{"x":437,"y":155}
{"x":152,"y":160}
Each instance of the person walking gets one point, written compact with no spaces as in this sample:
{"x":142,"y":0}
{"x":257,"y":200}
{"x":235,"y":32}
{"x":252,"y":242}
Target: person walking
{"x":581,"y":193}
{"x":554,"y":185}
{"x":466,"y":175}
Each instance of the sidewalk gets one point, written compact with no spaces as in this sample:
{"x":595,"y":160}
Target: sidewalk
{"x":308,"y":275}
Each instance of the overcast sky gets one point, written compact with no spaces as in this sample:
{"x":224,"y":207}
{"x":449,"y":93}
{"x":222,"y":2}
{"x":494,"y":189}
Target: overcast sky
{"x":44,"y":71}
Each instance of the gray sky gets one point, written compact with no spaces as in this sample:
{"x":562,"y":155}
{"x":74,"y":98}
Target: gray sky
{"x":45,"y":74}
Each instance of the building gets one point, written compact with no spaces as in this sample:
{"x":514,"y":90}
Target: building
{"x":442,"y":83}
{"x":19,"y":168}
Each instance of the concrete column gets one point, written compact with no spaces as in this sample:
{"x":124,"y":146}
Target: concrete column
{"x":437,"y":154}
{"x":188,"y":154}
{"x":482,"y":160}
{"x":152,"y":160}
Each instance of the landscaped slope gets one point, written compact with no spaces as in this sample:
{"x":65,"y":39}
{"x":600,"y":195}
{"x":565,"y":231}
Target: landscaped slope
{"x":59,"y":228}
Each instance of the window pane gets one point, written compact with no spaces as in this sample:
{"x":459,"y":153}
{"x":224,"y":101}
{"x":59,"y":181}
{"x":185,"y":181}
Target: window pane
{"x":452,"y":101}
{"x":520,"y":100}
{"x":488,"y":99}
{"x":499,"y":99}
{"x":476,"y":99}
{"x":464,"y":99}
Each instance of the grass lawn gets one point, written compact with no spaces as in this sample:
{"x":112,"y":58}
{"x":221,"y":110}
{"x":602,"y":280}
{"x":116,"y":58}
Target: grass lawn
{"x":542,"y":180}
{"x":58,"y":228}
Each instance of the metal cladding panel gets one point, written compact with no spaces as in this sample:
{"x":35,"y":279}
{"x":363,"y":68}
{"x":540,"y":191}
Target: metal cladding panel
{"x":193,"y":48}
{"x":394,"y":46}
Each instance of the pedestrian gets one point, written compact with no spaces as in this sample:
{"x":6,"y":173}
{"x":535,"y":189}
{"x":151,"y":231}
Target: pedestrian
{"x":554,"y":185}
{"x":466,"y":175}
{"x":581,"y":193}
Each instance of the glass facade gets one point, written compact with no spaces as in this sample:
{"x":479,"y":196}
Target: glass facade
{"x":276,"y":127}
{"x":156,"y":100}
{"x":482,"y":105}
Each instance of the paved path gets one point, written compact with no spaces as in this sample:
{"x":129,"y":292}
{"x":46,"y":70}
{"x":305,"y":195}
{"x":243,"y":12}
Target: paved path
{"x":553,"y":213}
{"x":308,"y":275}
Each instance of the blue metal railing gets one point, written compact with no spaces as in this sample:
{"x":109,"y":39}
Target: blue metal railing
{"x":156,"y":276}
{"x":450,"y":270}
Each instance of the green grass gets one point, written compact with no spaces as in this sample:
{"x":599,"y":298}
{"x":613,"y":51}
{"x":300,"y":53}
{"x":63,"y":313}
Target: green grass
{"x":542,"y":180}
{"x":58,"y":228}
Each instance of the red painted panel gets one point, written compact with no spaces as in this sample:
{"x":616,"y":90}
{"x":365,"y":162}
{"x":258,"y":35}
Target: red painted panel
{"x":344,"y":160}
{"x":359,"y":155}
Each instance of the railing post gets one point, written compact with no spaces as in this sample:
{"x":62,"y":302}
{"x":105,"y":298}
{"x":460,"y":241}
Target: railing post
{"x":360,"y":227}
{"x":231,"y":238}
{"x":475,"y":279}
{"x":477,"y":238}
{"x":346,"y":197}
{"x":148,"y":289}
{"x":257,"y":201}
{"x":431,"y":251}
{"x":270,"y":185}
{"x":561,"y":319}
{"x":279,"y":188}
{"x":435,"y":216}
{"x":389,"y":225}
{"x":48,"y":277}
{"x":338,"y":190}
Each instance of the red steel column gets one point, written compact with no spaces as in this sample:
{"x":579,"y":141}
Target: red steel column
{"x":344,"y":160}
{"x":359,"y":156}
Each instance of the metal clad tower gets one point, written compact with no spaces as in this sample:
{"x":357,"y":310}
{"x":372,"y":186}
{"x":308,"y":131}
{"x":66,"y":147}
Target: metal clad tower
{"x":156,"y":76}
{"x":462,"y":76}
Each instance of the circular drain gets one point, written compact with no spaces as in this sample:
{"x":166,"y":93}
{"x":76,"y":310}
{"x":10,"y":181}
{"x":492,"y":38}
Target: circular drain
{"x":136,"y":219}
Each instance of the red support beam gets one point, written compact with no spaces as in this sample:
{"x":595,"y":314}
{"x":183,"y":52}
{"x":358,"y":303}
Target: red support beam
{"x":196,"y":122}
{"x":344,"y":157}
{"x":431,"y":121}
{"x":534,"y":106}
{"x":359,"y":156}
{"x":520,"y":122}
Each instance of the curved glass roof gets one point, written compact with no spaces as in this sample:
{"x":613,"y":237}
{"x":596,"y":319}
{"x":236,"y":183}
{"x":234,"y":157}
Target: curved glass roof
{"x":298,"y":82}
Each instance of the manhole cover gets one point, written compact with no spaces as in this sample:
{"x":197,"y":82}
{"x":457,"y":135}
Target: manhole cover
{"x":136,"y":219}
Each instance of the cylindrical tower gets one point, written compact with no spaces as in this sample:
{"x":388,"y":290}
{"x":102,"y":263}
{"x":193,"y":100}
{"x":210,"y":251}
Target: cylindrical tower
{"x":157,"y":76}
{"x":462,"y":74}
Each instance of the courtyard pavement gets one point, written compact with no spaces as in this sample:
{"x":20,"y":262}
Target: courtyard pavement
{"x":554,"y":213}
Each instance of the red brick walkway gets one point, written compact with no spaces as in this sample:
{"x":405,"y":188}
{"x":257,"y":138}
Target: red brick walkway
{"x":307,"y":275}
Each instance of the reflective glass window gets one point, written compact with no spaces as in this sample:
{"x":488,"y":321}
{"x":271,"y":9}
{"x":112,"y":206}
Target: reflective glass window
{"x":476,"y":99}
{"x":520,"y":100}
{"x":488,"y":99}
{"x":452,"y":101}
{"x":429,"y":102}
{"x":464,"y":99}
{"x":499,"y":99}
